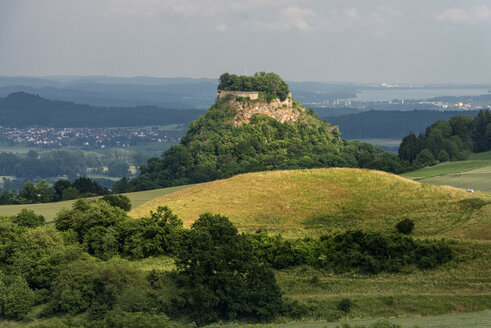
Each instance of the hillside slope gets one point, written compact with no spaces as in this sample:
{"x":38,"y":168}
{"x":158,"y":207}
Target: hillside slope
{"x":308,"y":202}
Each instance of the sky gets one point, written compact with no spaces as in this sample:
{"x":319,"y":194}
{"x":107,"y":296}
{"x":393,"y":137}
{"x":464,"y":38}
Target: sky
{"x":366,"y":41}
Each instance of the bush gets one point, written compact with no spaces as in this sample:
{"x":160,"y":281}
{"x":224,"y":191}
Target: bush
{"x":27,"y":218}
{"x":345,"y":305}
{"x":16,"y":298}
{"x":94,"y":286}
{"x":405,"y":226}
{"x":368,"y":252}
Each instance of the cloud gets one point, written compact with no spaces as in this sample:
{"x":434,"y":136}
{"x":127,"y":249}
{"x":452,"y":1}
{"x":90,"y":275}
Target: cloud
{"x":192,"y":8}
{"x":472,"y":16}
{"x":267,"y":15}
{"x":291,"y":18}
{"x":221,"y":27}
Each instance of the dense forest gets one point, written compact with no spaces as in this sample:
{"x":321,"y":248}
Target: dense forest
{"x":388,"y":124}
{"x":448,"y":140}
{"x":214,"y":148}
{"x":84,"y":267}
{"x":23,"y":110}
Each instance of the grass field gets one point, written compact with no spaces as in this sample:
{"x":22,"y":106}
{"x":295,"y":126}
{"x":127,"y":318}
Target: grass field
{"x":465,"y":320}
{"x":311,"y":202}
{"x":49,"y":210}
{"x":308,"y":202}
{"x":473,"y":173}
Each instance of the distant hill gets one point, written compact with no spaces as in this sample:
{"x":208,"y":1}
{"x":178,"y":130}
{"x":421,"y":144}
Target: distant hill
{"x":389,"y":124}
{"x":22,"y":109}
{"x":178,"y":93}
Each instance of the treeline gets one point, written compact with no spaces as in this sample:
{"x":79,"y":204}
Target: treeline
{"x":83,"y":264}
{"x":388,"y":124}
{"x":71,"y":163}
{"x":21,"y":109}
{"x":49,"y":164}
{"x":448,"y":140}
{"x":43,"y":192}
{"x":270,"y":85}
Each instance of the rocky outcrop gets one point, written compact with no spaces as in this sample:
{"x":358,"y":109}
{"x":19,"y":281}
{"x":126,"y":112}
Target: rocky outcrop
{"x":281,"y":111}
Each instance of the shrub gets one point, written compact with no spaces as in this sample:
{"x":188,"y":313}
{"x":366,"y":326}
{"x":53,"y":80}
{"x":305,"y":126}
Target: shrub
{"x":16,"y":298}
{"x":27,"y":218}
{"x":94,"y":286}
{"x":405,"y":226}
{"x":345,"y":305}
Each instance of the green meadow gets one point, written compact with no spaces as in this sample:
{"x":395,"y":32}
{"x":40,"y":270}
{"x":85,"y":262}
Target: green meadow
{"x":473,"y":173}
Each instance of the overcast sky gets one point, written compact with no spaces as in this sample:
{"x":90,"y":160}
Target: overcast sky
{"x":414,"y":41}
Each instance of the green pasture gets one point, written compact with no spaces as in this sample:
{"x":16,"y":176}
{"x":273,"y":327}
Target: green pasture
{"x":49,"y":210}
{"x":473,"y":173}
{"x":465,"y":320}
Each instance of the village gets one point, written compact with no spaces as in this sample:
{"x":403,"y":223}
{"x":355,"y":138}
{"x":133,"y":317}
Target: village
{"x":90,"y":138}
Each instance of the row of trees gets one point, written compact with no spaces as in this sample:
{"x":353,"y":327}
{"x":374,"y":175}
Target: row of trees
{"x":269,"y":84}
{"x":55,"y":163}
{"x":62,"y":189}
{"x":448,"y":140}
{"x":83,"y":264}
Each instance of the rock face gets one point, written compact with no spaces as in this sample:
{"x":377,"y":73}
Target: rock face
{"x":281,"y":111}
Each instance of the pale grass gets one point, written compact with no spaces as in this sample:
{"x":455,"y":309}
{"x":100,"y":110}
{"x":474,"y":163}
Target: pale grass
{"x":284,"y":201}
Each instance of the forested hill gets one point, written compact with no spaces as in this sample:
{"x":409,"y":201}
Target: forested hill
{"x":239,"y":135}
{"x":22,"y":109}
{"x":390,"y":124}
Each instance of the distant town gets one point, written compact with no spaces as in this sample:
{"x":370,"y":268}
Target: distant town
{"x":90,"y":138}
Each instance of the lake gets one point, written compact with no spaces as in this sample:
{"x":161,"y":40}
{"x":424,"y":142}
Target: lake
{"x":386,"y":94}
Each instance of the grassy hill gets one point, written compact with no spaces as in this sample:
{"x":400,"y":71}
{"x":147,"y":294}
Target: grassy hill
{"x":309,"y":202}
{"x":473,"y":173}
{"x":49,"y":210}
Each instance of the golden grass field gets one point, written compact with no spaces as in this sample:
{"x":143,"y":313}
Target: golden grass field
{"x":308,"y":202}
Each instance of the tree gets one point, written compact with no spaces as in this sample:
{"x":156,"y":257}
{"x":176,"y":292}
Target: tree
{"x":220,"y":277}
{"x":60,"y":186}
{"x":425,"y":157}
{"x":118,"y":169}
{"x":27,"y":218}
{"x":443,"y":156}
{"x":480,"y":124}
{"x":120,"y":201}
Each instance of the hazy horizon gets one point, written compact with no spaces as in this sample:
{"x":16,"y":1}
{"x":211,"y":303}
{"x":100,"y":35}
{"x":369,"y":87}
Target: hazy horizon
{"x":351,"y":41}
